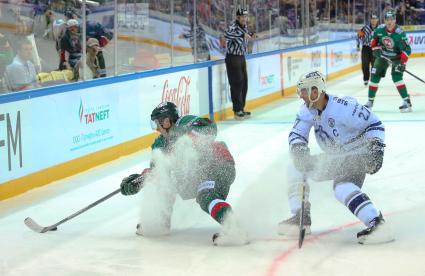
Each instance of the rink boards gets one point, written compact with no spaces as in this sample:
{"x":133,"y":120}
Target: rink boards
{"x":51,"y":133}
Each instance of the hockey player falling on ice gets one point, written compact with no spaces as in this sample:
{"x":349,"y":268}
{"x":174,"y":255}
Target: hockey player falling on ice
{"x":186,"y":160}
{"x":390,"y":42}
{"x":352,"y":138}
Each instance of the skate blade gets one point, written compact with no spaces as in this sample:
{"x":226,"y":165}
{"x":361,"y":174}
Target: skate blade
{"x":406,"y":110}
{"x":225,"y":240}
{"x":291,"y":230}
{"x":383,"y":234}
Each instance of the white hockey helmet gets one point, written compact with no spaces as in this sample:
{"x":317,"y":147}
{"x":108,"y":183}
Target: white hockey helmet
{"x":309,"y":80}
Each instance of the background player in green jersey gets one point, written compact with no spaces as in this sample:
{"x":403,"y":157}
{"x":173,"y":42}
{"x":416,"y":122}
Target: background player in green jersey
{"x":186,"y":160}
{"x":390,"y":42}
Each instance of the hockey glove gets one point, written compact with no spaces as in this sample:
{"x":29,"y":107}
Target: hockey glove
{"x":400,"y":67}
{"x":301,"y":157}
{"x":132,"y":184}
{"x":375,"y":156}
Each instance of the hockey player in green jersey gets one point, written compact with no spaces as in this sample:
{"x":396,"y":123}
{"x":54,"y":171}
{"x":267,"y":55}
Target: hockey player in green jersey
{"x":189,"y":162}
{"x":390,"y":42}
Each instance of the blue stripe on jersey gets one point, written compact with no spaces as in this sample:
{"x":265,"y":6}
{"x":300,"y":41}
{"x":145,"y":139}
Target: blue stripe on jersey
{"x":298,"y":136}
{"x":373,"y":126}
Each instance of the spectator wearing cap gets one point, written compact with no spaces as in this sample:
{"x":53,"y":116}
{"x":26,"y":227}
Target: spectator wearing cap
{"x":364,"y":38}
{"x":236,"y":39}
{"x":70,"y":48}
{"x":96,"y":65}
{"x":103,"y":36}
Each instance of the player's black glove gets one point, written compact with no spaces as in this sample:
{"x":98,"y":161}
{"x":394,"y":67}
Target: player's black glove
{"x":375,"y":156}
{"x":133,"y":183}
{"x":302,"y":158}
{"x":400,"y":67}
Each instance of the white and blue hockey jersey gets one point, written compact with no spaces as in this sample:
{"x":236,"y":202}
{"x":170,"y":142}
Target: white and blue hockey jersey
{"x":344,"y":126}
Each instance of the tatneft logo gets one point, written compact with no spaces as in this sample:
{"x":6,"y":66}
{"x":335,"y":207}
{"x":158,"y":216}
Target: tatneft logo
{"x":13,"y":138}
{"x":91,"y":115}
{"x":264,"y":80}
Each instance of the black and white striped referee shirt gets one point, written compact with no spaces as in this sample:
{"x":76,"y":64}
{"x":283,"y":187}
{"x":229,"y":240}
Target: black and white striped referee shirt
{"x":366,"y":39}
{"x":235,"y":39}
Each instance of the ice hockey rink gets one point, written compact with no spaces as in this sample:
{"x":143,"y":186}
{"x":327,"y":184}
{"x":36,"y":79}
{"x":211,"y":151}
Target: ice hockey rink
{"x":102,"y":241}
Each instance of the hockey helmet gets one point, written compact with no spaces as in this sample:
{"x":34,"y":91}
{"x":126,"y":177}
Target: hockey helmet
{"x":390,"y":15}
{"x":309,"y":80}
{"x":241,"y":12}
{"x":165,"y":110}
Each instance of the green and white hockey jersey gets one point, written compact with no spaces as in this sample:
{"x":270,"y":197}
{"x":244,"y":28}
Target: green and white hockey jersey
{"x":393,"y":44}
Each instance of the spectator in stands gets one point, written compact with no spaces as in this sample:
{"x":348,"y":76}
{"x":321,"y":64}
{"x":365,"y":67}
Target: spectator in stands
{"x":103,"y":36}
{"x":6,"y":58}
{"x":70,"y":48}
{"x":96,"y":65}
{"x":200,"y":48}
{"x":401,"y":13}
{"x":21,"y":73}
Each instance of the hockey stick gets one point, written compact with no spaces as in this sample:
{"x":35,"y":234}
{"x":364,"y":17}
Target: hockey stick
{"x":301,"y":234}
{"x":413,"y":75}
{"x":42,"y":229}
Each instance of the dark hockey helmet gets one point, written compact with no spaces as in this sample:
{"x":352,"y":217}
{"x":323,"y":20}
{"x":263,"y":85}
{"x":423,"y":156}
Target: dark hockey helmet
{"x":390,"y":15}
{"x":241,"y":12}
{"x":165,"y":110}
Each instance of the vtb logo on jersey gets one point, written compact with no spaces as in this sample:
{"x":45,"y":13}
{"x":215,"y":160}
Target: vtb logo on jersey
{"x":388,"y":42}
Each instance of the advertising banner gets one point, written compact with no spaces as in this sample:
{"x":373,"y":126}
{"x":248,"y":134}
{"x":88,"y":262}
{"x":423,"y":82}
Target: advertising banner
{"x":45,"y":131}
{"x":342,"y":55}
{"x":263,"y":76}
{"x":296,"y":63}
{"x":417,"y":42}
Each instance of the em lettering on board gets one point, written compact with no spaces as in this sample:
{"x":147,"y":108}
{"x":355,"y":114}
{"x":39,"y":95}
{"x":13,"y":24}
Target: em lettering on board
{"x":11,"y":140}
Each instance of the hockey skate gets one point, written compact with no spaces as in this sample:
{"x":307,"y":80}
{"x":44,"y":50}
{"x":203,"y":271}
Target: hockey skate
{"x":290,"y":227}
{"x":377,"y":232}
{"x":369,"y":104}
{"x":365,"y":82}
{"x":240,"y":115}
{"x":232,"y":233}
{"x":406,"y":106}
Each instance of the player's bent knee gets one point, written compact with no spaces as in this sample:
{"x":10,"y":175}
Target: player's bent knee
{"x":343,"y":191}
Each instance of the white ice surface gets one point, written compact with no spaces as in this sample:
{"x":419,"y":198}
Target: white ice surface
{"x":102,"y":241}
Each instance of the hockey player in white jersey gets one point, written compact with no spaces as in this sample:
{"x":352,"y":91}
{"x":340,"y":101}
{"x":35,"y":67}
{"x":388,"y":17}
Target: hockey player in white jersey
{"x":352,"y":138}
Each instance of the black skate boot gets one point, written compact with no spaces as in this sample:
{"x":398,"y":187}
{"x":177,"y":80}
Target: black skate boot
{"x":406,"y":105}
{"x":377,"y":232}
{"x":290,"y":227}
{"x":139,"y":230}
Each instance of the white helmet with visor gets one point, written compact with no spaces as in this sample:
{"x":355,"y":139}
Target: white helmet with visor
{"x":308,"y":81}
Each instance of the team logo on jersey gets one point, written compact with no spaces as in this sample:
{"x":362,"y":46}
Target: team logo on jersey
{"x":388,"y":42}
{"x":331,"y":122}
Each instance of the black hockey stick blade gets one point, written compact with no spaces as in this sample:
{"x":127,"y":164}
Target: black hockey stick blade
{"x":40,"y":229}
{"x":34,"y":226}
{"x":301,"y":238}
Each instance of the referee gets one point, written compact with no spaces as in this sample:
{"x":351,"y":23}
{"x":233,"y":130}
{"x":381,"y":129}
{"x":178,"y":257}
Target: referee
{"x":237,"y":37}
{"x":364,"y":37}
